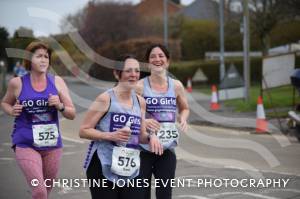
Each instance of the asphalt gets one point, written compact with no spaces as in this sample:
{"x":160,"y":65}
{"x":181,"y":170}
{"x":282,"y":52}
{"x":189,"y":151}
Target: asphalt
{"x":200,"y":153}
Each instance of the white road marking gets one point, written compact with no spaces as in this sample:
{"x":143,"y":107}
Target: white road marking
{"x":69,"y":190}
{"x":72,"y":140}
{"x":280,"y":190}
{"x":193,"y":179}
{"x":69,"y":146}
{"x":196,"y":160}
{"x":191,"y":196}
{"x":70,"y":153}
{"x":243,"y":193}
{"x":7,"y":159}
{"x":196,"y":175}
{"x":266,"y":171}
{"x":6,"y":144}
{"x":233,"y":143}
{"x":65,"y":190}
{"x":77,"y":141}
{"x":218,"y":162}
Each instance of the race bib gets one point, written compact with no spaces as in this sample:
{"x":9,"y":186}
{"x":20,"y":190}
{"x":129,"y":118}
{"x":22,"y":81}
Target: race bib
{"x":167,"y":134}
{"x":125,"y":161}
{"x":45,"y":135}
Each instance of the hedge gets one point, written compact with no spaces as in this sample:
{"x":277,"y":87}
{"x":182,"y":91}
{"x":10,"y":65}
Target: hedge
{"x":186,"y":69}
{"x":136,"y":47}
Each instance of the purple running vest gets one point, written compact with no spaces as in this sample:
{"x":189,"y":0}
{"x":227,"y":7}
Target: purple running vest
{"x":35,"y":112}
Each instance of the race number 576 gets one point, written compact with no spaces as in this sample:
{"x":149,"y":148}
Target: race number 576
{"x":126,"y":161}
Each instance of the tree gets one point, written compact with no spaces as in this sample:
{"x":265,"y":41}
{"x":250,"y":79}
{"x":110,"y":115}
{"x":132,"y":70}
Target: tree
{"x":294,"y":7}
{"x":73,"y":21}
{"x":197,"y":37}
{"x":4,"y":42}
{"x":110,"y":22}
{"x":267,"y":14}
{"x":22,"y":37}
{"x":176,"y":1}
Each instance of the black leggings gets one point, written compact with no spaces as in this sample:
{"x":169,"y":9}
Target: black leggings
{"x":94,"y":171}
{"x":163,"y":167}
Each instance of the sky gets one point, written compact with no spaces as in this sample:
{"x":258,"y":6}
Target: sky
{"x":42,"y":16}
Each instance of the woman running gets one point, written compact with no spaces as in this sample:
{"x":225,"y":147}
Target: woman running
{"x":163,"y":96}
{"x":115,"y":124}
{"x":34,"y":100}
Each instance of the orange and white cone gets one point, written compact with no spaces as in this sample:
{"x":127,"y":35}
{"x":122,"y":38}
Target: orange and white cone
{"x":189,"y":85}
{"x":214,"y":99}
{"x":261,"y":123}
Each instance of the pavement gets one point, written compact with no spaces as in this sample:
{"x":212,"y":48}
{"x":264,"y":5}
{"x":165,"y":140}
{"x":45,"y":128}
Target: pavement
{"x":278,"y":125}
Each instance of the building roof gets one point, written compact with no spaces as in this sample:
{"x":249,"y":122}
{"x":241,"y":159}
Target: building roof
{"x":202,"y":9}
{"x":155,"y":8}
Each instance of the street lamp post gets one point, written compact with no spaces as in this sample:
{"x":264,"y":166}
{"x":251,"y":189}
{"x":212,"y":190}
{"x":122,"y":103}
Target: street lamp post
{"x":246,"y":46}
{"x":166,"y":23}
{"x":222,"y":65}
{"x":2,"y":77}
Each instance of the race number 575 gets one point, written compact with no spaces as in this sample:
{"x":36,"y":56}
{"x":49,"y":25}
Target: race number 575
{"x":46,"y":135}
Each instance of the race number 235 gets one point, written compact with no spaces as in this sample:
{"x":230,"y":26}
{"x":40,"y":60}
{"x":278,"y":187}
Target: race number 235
{"x":168,"y":134}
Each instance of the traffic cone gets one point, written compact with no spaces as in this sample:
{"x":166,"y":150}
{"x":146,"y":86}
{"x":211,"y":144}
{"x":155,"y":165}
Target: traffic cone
{"x":189,"y":85}
{"x":214,"y":99}
{"x":261,"y":123}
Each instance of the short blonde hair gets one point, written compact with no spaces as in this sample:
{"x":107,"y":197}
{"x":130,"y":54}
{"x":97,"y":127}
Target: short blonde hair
{"x":31,"y":48}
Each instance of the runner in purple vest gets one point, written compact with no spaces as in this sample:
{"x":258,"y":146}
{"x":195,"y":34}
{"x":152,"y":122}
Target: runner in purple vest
{"x":164,"y":96}
{"x":34,"y":100}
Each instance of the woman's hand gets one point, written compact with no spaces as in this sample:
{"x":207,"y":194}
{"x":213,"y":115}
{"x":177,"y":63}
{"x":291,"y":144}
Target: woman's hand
{"x":54,"y":100}
{"x":183,"y":124}
{"x":121,"y":135}
{"x":152,"y":125}
{"x":155,"y":145}
{"x":16,"y":109}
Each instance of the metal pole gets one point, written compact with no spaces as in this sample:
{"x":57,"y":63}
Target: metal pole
{"x":2,"y":77}
{"x":246,"y":45}
{"x":166,"y":23}
{"x":222,"y":65}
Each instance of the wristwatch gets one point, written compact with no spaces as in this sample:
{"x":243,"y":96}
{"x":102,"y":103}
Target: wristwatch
{"x":62,"y":108}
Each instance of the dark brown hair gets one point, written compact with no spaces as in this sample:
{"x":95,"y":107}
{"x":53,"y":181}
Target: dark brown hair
{"x":31,"y":48}
{"x":150,"y":48}
{"x":120,"y":63}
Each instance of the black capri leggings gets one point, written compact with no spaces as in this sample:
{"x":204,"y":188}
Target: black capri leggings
{"x":163,"y":167}
{"x":94,"y":171}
